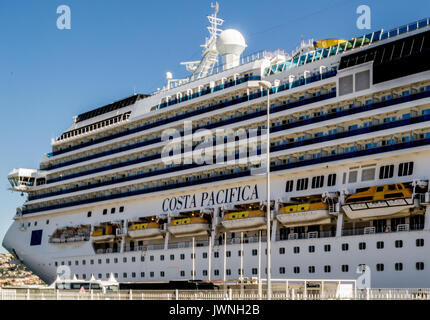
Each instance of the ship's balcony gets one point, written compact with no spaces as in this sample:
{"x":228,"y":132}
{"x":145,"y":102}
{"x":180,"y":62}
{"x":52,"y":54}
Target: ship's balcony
{"x":23,"y":180}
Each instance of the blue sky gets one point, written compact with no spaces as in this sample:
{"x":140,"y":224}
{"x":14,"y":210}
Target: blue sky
{"x":49,"y":75}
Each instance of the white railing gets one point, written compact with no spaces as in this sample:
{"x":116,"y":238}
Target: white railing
{"x":402,"y":227}
{"x":217,"y":294}
{"x":369,"y":230}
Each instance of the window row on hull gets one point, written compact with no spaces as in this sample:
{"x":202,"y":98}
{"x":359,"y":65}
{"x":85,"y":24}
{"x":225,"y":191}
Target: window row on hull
{"x":159,"y":122}
{"x":274,"y":148}
{"x":320,"y":158}
{"x":370,"y":127}
{"x":291,"y":122}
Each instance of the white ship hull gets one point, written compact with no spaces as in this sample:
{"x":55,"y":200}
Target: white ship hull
{"x":338,"y":130}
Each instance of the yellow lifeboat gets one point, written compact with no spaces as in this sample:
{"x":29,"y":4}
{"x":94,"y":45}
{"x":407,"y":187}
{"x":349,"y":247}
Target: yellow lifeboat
{"x":304,"y":214}
{"x":244,"y":220}
{"x":378,"y":201}
{"x":327,"y":43}
{"x":192,"y":226}
{"x":145,"y":231}
{"x":104,"y":233}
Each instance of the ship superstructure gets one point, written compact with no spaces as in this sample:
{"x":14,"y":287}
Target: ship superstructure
{"x":350,"y":145}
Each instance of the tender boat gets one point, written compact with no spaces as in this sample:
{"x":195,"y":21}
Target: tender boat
{"x":304,"y":214}
{"x":244,"y":220}
{"x":192,"y":226}
{"x":145,"y":231}
{"x":378,"y":201}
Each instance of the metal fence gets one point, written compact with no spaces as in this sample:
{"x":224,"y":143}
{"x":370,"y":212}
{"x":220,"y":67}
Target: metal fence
{"x":366,"y":294}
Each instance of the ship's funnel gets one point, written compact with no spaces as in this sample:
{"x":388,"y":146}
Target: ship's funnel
{"x":230,"y":45}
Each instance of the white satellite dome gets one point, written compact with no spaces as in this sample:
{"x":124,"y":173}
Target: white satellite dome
{"x":230,"y":41}
{"x":230,"y":45}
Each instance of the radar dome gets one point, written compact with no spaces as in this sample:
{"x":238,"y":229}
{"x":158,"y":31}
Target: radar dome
{"x":230,"y":45}
{"x":230,"y":41}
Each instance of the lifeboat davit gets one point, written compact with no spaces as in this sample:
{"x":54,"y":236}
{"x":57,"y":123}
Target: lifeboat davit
{"x":304,"y":214}
{"x":193,"y":226}
{"x":145,"y":231}
{"x":378,"y":201}
{"x":244,"y":220}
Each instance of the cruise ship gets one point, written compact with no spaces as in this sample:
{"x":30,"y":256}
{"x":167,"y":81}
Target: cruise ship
{"x":171,"y":185}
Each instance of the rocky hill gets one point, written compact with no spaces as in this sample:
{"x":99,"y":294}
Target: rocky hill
{"x":15,"y":275}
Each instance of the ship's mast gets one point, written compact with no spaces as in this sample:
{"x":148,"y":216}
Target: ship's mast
{"x":206,"y":65}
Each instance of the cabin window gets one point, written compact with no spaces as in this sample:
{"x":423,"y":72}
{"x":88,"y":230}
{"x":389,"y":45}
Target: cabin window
{"x":133,"y":259}
{"x":104,"y":211}
{"x":162,"y":274}
{"x":282,"y":250}
{"x":205,"y":273}
{"x":311,"y":249}
{"x":254,"y":271}
{"x":205,"y":255}
{"x":112,"y":210}
{"x":172,"y":257}
{"x":133,"y":274}
{"x":362,"y":246}
{"x":345,"y":246}
{"x":142,"y":258}
{"x":317,"y":182}
{"x":289,"y":186}
{"x":216,"y":272}
{"x":107,"y":261}
{"x":345,"y":268}
{"x":151,"y":258}
{"x":380,"y":245}
{"x":254,"y":252}
{"x":398,"y":266}
{"x":327,"y":269}
{"x":296,"y":250}
{"x":296,"y":269}
{"x":420,"y":242}
{"x":380,"y":267}
{"x":142,"y":274}
{"x":311,"y":269}
{"x":121,"y":209}
{"x":327,"y":248}
{"x":282,"y":270}
{"x":124,"y":260}
{"x":216,"y":254}
{"x":89,"y":214}
{"x":182,"y":273}
{"x":162,"y":258}
{"x":115,"y":260}
{"x":151,"y":274}
{"x":331,"y":181}
{"x":302,"y":184}
{"x":228,"y":254}
{"x":398,"y":244}
{"x":406,"y":169}
{"x":228,"y":272}
{"x":419,"y":265}
{"x":182,"y":256}
{"x":386,"y":172}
